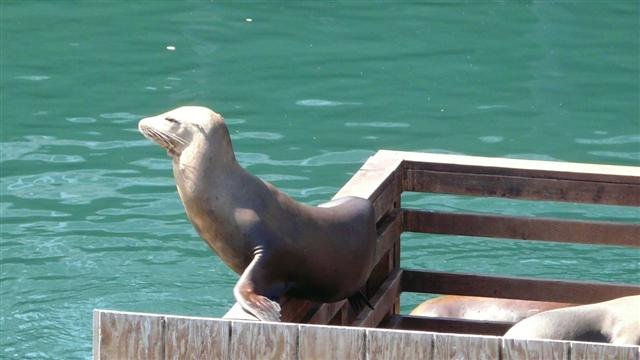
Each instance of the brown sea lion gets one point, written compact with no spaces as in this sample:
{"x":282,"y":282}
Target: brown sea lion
{"x":279,"y":245}
{"x":483,"y":308}
{"x":616,"y":321}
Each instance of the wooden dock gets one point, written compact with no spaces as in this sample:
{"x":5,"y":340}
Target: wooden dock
{"x":382,"y":179}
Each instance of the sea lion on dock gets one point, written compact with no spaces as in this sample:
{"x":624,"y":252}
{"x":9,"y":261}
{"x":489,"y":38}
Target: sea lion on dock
{"x":483,"y":308}
{"x":615,"y":321}
{"x":278,"y":245}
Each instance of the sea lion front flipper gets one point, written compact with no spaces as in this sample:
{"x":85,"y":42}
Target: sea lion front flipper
{"x":251,"y":290}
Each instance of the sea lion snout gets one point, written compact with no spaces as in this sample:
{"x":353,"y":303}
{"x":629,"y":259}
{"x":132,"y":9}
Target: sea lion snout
{"x":167,"y":131}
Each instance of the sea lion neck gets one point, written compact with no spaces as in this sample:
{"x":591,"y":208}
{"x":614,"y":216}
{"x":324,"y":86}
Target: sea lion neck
{"x":207,"y":161}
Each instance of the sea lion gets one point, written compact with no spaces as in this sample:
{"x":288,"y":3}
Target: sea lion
{"x":615,"y":321}
{"x":278,"y":245}
{"x":483,"y":308}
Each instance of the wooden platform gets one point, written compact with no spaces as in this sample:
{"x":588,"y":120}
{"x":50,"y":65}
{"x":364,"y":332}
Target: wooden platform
{"x":120,"y":335}
{"x":383,"y":179}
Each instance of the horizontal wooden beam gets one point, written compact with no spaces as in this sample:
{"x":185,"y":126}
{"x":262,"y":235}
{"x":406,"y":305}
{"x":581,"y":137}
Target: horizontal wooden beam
{"x":577,"y":292}
{"x":119,"y":335}
{"x":526,"y":228}
{"x":448,"y":325}
{"x":558,"y":170}
{"x":521,"y":187}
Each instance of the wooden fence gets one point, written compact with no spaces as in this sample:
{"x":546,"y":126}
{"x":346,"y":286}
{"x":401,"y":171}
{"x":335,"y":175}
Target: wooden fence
{"x":383,"y":179}
{"x":120,"y":335}
{"x":387,"y":174}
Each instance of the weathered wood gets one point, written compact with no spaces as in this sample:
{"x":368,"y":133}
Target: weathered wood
{"x":130,"y":336}
{"x":577,"y":292}
{"x":297,"y":310}
{"x":449,"y":325}
{"x":377,"y":180}
{"x":96,"y":335}
{"x":389,"y":230}
{"x":144,"y":336}
{"x":383,"y":302}
{"x":531,"y":188}
{"x":596,"y":351}
{"x":326,"y":312}
{"x":534,"y":349}
{"x":526,"y":228}
{"x":331,"y":342}
{"x":261,"y":340}
{"x":372,"y":178}
{"x":238,"y":313}
{"x":389,"y":198}
{"x":515,"y":167}
{"x":398,"y":345}
{"x":196,"y":338}
{"x":449,"y":346}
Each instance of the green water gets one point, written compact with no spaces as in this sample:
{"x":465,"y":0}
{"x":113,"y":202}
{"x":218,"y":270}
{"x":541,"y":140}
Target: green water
{"x":90,"y":215}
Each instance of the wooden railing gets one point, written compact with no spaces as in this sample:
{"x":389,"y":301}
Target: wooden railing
{"x":382,"y":179}
{"x":386,"y":175}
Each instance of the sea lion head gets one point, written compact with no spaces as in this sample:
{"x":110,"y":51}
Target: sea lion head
{"x":186,"y":127}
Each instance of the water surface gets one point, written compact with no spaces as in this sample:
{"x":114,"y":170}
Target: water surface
{"x":90,"y":215}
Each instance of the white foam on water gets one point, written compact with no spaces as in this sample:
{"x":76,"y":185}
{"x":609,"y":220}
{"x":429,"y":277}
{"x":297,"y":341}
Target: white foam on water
{"x":491,"y":139}
{"x":321,"y":102}
{"x":33,"y":77}
{"x":377,"y":124}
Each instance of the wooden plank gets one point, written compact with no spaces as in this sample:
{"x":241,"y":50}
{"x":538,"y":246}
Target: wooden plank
{"x":326,"y":312}
{"x":196,"y":338}
{"x":596,"y":351}
{"x":450,"y":325}
{"x":297,"y":310}
{"x":96,"y":334}
{"x":400,"y":345}
{"x":377,"y":180}
{"x":577,"y":292}
{"x":389,"y":230}
{"x":450,"y":346}
{"x":130,"y":336}
{"x":522,"y":187}
{"x":389,"y":198}
{"x":526,"y":228}
{"x":383,"y":302}
{"x":263,"y":340}
{"x":331,"y":342}
{"x":373,"y":177}
{"x":515,"y":167}
{"x":520,"y":349}
{"x":238,"y":313}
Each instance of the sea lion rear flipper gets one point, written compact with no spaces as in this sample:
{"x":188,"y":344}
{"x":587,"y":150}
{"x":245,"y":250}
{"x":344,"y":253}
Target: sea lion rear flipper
{"x":252,"y":288}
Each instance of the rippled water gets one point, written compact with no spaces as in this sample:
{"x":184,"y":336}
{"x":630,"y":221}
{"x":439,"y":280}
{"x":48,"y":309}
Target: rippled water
{"x":90,"y":215}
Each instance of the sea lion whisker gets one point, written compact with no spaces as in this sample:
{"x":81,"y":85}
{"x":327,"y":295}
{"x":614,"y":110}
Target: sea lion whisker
{"x":176,"y":138}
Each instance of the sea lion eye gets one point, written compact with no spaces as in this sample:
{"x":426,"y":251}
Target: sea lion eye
{"x":170,"y":119}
